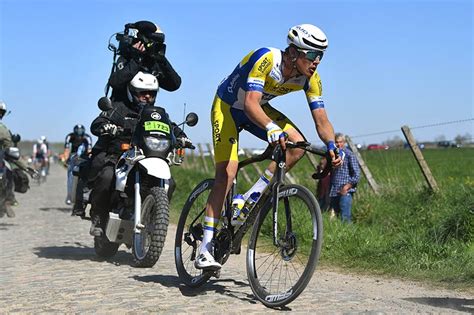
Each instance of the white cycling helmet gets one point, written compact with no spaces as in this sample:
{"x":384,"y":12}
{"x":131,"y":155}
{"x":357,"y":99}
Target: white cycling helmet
{"x":307,"y":37}
{"x":3,"y":109}
{"x":142,"y":82}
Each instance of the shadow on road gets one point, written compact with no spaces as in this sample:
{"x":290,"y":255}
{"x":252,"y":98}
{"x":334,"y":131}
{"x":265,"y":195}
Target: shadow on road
{"x":81,"y":252}
{"x":212,"y":285}
{"x":62,"y":209}
{"x":462,"y":305}
{"x":5,"y":226}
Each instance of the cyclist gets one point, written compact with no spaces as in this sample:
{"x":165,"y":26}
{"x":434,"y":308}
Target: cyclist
{"x":73,"y":141}
{"x":241,"y":102}
{"x":40,"y":156}
{"x":45,"y":141}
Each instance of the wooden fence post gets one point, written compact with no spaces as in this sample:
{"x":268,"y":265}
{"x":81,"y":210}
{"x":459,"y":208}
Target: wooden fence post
{"x":203,"y":158}
{"x":210,"y":152}
{"x":363,"y":166}
{"x":420,"y":159}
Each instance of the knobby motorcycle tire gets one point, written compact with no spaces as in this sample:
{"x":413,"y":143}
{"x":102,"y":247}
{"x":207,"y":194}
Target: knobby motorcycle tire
{"x":159,"y":220}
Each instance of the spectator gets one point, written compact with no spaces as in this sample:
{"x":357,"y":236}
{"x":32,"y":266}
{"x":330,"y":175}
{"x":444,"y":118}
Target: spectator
{"x":344,"y":181}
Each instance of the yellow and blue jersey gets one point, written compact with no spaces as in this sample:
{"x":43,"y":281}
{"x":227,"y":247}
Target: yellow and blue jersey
{"x":261,"y":70}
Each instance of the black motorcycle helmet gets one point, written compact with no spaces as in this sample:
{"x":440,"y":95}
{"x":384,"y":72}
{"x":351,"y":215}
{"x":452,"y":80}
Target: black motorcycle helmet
{"x":79,"y":130}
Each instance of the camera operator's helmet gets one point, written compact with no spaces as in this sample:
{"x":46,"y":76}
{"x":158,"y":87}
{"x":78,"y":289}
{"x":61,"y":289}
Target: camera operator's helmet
{"x":39,"y":141}
{"x":3,"y":109}
{"x":79,"y":130}
{"x":307,"y":37}
{"x":142,"y":82}
{"x":43,"y":139}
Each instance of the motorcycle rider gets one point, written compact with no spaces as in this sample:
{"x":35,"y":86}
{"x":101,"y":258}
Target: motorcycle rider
{"x":6,"y":142}
{"x":141,"y":91}
{"x":73,"y":141}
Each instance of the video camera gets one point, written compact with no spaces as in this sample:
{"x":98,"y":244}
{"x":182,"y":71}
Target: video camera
{"x":147,"y":34}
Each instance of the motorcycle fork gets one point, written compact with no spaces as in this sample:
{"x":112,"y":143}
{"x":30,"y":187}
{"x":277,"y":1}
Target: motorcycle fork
{"x":138,"y":203}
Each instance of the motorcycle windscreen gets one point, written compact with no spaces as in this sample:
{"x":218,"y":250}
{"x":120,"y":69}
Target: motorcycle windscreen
{"x":156,"y":167}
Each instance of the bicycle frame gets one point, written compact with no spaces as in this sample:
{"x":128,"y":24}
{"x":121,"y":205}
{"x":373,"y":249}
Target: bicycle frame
{"x":273,"y":190}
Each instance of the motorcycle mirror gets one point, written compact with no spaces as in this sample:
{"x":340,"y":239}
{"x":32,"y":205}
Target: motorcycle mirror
{"x":16,"y":138}
{"x":104,"y":103}
{"x":191,"y":119}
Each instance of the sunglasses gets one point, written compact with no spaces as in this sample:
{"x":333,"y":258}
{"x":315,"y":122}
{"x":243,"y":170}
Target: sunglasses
{"x":312,"y":55}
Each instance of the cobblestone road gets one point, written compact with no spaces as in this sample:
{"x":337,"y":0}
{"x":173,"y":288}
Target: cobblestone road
{"x":48,"y":265}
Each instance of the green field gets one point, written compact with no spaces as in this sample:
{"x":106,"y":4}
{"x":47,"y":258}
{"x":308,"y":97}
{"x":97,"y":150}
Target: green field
{"x":407,"y":231}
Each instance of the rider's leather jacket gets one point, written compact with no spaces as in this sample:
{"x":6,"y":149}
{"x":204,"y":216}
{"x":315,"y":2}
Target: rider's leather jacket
{"x":125,"y":115}
{"x":126,"y":69}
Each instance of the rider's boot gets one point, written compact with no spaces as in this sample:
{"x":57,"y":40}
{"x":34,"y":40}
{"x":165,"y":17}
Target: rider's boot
{"x":78,"y":209}
{"x":9,"y":210}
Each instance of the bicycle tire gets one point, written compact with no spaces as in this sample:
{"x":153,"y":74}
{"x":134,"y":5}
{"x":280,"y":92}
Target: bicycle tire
{"x":292,"y":253}
{"x":185,"y":253}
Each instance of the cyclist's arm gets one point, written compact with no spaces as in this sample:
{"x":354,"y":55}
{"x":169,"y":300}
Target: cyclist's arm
{"x":253,"y":109}
{"x":324,"y":127}
{"x":255,"y":86}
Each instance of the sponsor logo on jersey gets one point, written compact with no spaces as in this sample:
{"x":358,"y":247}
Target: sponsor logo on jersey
{"x":275,"y":75}
{"x":232,"y":83}
{"x":263,"y":65}
{"x":217,"y":131}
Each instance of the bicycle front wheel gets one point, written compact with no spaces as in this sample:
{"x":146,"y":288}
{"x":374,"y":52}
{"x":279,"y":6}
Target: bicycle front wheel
{"x":278,"y":273}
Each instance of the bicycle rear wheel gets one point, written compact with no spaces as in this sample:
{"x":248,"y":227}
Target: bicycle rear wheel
{"x":279,"y":273}
{"x":189,"y":234}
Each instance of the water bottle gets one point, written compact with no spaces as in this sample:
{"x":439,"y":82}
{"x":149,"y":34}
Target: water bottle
{"x":240,"y":217}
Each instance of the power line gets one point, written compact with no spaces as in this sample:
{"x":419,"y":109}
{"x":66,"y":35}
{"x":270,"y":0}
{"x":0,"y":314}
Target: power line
{"x":443,"y":123}
{"x":416,"y":127}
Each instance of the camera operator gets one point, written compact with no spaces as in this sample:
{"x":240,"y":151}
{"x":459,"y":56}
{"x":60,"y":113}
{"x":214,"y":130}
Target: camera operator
{"x":143,"y":50}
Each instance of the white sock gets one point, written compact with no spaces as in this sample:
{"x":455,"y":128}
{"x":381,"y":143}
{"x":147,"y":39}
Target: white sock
{"x":260,"y":185}
{"x":209,"y":229}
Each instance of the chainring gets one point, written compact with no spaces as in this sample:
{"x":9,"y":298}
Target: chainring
{"x":222,"y":245}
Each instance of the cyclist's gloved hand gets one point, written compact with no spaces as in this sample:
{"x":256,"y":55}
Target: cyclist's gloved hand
{"x":274,"y":132}
{"x":109,"y":129}
{"x":337,"y":156}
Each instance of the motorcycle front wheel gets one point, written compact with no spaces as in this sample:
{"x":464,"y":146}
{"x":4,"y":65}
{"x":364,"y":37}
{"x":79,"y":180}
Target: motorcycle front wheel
{"x":148,"y":244}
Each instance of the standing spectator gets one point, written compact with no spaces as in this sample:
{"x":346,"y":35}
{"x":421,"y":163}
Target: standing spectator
{"x":344,"y":181}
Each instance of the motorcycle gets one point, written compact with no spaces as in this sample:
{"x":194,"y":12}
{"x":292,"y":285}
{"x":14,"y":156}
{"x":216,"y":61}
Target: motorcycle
{"x":12,"y":178}
{"x":140,"y":205}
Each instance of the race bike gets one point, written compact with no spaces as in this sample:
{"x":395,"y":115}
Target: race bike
{"x":140,"y":206}
{"x":285,"y":240}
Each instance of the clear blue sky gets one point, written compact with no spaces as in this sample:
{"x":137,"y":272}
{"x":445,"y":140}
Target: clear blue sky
{"x":389,"y":63}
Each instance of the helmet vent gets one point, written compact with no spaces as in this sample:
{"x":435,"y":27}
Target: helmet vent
{"x":307,"y":42}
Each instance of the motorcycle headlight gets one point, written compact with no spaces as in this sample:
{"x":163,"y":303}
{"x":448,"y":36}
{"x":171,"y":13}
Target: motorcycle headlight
{"x":157,"y":144}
